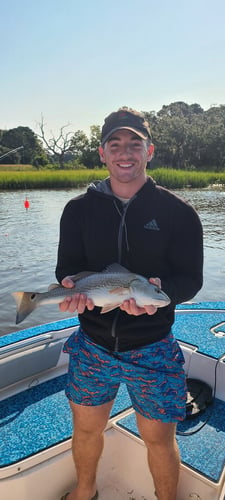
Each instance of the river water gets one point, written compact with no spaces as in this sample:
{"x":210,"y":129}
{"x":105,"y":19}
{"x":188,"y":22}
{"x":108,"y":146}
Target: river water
{"x":29,"y":240}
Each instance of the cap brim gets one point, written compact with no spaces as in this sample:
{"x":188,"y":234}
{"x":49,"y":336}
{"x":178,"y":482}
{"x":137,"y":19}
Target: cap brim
{"x":137,"y":132}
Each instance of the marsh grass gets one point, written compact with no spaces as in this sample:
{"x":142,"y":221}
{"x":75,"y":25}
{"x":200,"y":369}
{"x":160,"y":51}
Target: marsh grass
{"x":178,"y":179}
{"x":49,"y":179}
{"x":61,"y":179}
{"x":15,"y":167}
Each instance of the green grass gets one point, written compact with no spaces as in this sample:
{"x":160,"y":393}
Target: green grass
{"x":178,"y":179}
{"x":15,"y":167}
{"x":60,"y":179}
{"x":49,"y":179}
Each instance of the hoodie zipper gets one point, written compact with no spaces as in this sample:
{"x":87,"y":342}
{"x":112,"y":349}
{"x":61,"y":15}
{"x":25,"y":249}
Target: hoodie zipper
{"x":122,"y":229}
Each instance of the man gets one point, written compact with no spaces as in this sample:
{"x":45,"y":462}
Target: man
{"x":130,"y":220}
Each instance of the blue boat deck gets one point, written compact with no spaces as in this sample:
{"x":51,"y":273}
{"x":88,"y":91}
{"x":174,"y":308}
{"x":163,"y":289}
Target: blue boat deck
{"x":39,"y":418}
{"x":203,"y":451}
{"x":28,"y":333}
{"x":202,"y":326}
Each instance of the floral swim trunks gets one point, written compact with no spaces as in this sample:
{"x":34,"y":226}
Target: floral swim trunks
{"x":153,"y":374}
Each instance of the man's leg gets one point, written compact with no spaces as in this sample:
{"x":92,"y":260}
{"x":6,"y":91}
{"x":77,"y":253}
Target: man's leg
{"x":163,"y":455}
{"x":87,"y":445}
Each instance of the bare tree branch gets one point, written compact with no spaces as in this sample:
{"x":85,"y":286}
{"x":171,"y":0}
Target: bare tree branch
{"x":58,"y":146}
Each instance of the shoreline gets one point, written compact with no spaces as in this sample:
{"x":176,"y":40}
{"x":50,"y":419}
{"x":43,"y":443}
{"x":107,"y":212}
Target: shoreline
{"x":61,"y":179}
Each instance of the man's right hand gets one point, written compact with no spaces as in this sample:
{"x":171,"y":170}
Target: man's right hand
{"x":77,"y":302}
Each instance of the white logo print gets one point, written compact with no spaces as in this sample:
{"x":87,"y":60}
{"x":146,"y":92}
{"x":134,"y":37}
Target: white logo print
{"x":152,"y":224}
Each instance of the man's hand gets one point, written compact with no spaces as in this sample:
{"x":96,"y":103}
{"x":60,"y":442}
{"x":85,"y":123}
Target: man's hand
{"x":130,"y":306}
{"x":77,"y":302}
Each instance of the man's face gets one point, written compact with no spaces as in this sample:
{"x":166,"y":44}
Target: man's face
{"x":126,"y":156}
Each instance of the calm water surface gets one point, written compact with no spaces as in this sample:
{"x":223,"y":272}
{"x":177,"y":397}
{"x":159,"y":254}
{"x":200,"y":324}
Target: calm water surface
{"x":29,"y":240}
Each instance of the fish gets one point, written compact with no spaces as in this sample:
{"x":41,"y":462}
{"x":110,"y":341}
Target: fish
{"x":107,"y":289}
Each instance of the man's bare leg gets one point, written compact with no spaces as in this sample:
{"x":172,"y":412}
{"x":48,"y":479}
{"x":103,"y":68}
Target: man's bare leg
{"x":163,"y":455}
{"x":87,"y":446}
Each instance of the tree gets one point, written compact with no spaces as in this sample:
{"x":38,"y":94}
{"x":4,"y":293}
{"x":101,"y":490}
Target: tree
{"x":79,"y":144}
{"x":57,"y":147}
{"x":24,"y":144}
{"x":214,"y":136}
{"x":86,"y":150}
{"x":170,"y":138}
{"x":186,"y":136}
{"x":90,"y":157}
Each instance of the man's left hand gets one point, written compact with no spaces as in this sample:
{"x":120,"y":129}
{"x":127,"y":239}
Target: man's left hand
{"x":130,"y":306}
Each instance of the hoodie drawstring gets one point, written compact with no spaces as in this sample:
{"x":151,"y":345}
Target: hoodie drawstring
{"x":122,"y":228}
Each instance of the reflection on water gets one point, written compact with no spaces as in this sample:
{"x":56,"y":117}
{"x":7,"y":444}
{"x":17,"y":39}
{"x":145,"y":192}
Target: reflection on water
{"x":29,"y":239}
{"x":210,"y":205}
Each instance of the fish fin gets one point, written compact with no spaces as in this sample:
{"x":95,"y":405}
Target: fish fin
{"x":82,"y":274}
{"x":25,"y":302}
{"x":116,"y":268}
{"x":109,"y":307}
{"x":53,"y":286}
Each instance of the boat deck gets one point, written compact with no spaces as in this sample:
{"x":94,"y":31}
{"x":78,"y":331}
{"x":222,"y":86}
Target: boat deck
{"x":205,"y":327}
{"x":203,"y":451}
{"x":38,"y":419}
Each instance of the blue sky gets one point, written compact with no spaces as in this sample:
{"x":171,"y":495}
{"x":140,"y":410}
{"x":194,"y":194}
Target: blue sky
{"x":76,"y":61}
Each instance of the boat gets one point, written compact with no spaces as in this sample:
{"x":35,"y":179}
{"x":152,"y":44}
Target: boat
{"x":36,"y":424}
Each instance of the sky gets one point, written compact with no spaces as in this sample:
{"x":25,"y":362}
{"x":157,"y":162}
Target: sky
{"x":75,"y":61}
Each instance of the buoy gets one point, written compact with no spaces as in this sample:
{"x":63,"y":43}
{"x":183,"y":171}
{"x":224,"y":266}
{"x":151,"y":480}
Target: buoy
{"x":26,"y":204}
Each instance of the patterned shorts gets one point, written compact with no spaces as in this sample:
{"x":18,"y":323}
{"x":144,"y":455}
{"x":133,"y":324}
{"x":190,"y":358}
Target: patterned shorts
{"x":153,"y":374}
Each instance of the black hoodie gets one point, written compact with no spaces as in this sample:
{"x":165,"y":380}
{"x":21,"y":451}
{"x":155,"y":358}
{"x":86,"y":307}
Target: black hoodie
{"x":155,"y":234}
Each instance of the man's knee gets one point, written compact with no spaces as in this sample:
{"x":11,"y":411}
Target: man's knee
{"x":90,"y":419}
{"x":154,"y":432}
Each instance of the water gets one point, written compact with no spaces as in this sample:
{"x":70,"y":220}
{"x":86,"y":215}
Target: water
{"x":29,"y":240}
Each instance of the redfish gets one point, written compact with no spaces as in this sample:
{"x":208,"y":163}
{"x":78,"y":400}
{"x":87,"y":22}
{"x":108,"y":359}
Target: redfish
{"x":107,"y":289}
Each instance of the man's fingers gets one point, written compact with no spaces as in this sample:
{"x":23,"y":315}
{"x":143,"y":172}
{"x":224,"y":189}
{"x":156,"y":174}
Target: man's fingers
{"x":67,"y":282}
{"x":63,"y":306}
{"x":130,"y":307}
{"x":77,"y":302}
{"x":155,"y":281}
{"x":150,"y":310}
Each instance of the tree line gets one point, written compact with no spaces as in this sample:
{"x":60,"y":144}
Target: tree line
{"x":186,"y":137}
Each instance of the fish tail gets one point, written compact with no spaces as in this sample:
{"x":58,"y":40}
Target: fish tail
{"x":25,"y":302}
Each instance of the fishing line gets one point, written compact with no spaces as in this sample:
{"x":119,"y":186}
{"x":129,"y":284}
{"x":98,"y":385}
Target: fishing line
{"x":11,"y":151}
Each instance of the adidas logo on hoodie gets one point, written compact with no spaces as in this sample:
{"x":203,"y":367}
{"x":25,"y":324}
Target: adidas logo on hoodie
{"x":152,"y":225}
